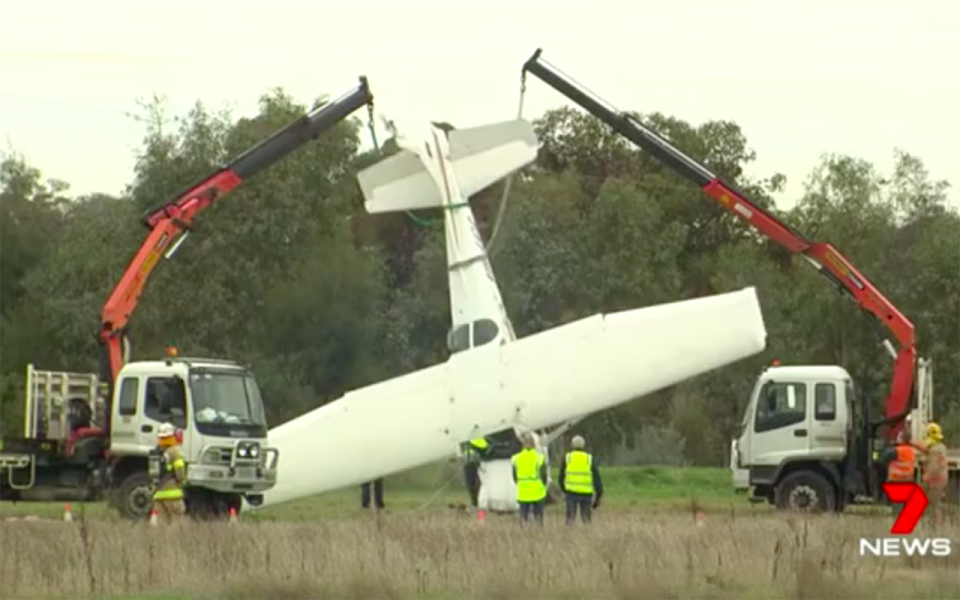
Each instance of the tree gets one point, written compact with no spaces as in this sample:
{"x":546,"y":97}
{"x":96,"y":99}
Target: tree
{"x":289,"y":274}
{"x":30,"y":220}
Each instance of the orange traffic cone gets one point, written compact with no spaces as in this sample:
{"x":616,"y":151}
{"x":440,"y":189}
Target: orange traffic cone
{"x":153,"y":517}
{"x":233,"y":515}
{"x":67,"y":513}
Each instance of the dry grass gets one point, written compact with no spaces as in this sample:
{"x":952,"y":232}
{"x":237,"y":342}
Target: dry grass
{"x":443,"y":556}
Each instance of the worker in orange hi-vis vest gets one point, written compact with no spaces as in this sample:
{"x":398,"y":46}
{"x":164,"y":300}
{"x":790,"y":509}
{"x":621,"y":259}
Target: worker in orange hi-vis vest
{"x":934,"y":469}
{"x":903,"y":459}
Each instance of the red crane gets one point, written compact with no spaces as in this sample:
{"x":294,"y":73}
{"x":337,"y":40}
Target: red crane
{"x":894,"y":329}
{"x":170,"y":224}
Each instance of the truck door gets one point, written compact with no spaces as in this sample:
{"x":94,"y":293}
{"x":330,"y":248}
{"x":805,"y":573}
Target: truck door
{"x":164,"y":401}
{"x":829,"y":423}
{"x":780,"y":427}
{"x":124,"y":431}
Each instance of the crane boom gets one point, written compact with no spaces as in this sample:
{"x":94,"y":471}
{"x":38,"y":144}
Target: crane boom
{"x":170,"y":224}
{"x":895,"y":330}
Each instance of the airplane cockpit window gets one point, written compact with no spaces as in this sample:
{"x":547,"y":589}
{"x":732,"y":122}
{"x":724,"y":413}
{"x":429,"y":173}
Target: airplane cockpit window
{"x":484,"y":331}
{"x":458,"y":339}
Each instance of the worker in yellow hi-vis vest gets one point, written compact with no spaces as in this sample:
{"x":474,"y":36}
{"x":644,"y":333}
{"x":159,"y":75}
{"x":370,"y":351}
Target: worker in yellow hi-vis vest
{"x":580,"y":481}
{"x":475,"y":450}
{"x":530,"y":476}
{"x":168,"y":496}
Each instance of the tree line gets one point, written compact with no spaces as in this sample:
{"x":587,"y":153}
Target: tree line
{"x":290,"y":275}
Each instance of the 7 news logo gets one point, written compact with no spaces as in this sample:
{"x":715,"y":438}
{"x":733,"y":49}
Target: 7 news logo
{"x":914,"y":502}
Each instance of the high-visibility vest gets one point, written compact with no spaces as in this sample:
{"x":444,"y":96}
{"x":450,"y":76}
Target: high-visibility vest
{"x":901,"y":468}
{"x":476,"y":447}
{"x":578,"y":477}
{"x":174,"y":467}
{"x":530,"y":487}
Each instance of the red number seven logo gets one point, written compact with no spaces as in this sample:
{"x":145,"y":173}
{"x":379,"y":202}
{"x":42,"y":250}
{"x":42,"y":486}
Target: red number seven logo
{"x":914,"y":502}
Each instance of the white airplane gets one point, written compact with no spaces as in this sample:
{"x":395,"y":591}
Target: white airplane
{"x":489,"y":385}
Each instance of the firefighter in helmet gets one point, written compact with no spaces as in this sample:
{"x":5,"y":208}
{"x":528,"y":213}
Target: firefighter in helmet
{"x":934,"y":469}
{"x":168,"y":496}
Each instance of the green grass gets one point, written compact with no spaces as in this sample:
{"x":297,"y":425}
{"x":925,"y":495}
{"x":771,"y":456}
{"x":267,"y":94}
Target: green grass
{"x":441,"y":485}
{"x":430,"y":487}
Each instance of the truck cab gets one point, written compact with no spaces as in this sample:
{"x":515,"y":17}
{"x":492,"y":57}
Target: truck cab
{"x":795,"y":436}
{"x":803,"y":445}
{"x":217,"y":406}
{"x":73,"y":450}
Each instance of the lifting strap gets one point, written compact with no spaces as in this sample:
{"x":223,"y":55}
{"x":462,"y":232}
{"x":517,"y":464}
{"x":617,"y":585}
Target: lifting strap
{"x":502,"y":209}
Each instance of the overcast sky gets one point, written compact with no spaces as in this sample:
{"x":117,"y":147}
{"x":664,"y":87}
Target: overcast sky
{"x":802,"y":78}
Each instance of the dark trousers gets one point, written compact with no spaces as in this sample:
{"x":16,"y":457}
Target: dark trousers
{"x":535,"y":507}
{"x":582,"y":501}
{"x":377,"y":494}
{"x":471,"y":476}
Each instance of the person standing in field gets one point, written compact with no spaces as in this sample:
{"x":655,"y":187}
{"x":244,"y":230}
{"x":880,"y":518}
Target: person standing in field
{"x":475,"y":450}
{"x":530,"y":476}
{"x":580,"y":481}
{"x":377,"y":494}
{"x":934,"y":469}
{"x":168,"y":496}
{"x":901,"y":458}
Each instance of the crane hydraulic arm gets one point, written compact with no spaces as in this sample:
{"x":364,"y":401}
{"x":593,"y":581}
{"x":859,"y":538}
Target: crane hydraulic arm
{"x":894,"y":329}
{"x":170,"y":224}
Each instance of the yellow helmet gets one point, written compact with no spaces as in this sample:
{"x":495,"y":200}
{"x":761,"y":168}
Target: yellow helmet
{"x":933,"y":431}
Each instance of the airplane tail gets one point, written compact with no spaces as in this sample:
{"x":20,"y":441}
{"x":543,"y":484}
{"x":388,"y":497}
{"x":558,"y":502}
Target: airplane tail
{"x":480,"y":156}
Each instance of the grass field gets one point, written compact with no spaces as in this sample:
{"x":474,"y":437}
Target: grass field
{"x":436,"y":487}
{"x":644,"y":544}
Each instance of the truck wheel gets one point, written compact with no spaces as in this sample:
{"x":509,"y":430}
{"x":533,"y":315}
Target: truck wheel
{"x":135,"y":496}
{"x":806,"y":492}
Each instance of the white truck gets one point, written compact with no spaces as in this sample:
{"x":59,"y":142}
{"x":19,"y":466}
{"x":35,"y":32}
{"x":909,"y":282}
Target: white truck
{"x":88,"y":437}
{"x":806,"y":440}
{"x":65,"y":453}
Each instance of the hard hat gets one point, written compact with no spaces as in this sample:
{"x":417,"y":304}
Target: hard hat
{"x":166,"y":430}
{"x":934,"y":431}
{"x":577,"y":442}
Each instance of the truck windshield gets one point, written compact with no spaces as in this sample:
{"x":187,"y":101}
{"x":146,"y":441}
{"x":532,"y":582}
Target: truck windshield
{"x":226,"y":398}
